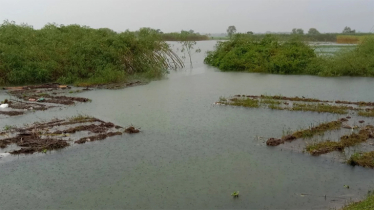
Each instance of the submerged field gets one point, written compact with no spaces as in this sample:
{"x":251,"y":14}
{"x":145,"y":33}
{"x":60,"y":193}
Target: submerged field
{"x":192,"y":150}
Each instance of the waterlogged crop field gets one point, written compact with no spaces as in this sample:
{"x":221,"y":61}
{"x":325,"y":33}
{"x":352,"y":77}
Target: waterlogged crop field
{"x":360,"y":131}
{"x":166,"y":144}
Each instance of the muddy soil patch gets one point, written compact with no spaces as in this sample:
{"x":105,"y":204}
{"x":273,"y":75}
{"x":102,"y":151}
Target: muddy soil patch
{"x":39,"y":98}
{"x":38,"y":137}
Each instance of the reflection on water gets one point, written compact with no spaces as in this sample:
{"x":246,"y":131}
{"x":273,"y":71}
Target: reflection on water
{"x":191,"y":154}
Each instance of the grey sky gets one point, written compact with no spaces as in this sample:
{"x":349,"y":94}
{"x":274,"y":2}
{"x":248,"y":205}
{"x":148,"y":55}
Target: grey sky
{"x":205,"y":16}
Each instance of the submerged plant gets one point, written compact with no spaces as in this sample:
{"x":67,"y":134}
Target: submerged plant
{"x":235,"y":194}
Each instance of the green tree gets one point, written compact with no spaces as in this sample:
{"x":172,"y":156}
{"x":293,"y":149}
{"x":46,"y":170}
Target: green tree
{"x":313,"y":31}
{"x":348,"y":30}
{"x":231,"y":30}
{"x":298,"y":31}
{"x":250,"y":32}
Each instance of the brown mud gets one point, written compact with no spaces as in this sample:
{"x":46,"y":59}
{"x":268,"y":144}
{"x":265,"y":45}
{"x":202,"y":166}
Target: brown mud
{"x":39,"y":98}
{"x":11,"y":113}
{"x":38,"y":137}
{"x":132,"y":130}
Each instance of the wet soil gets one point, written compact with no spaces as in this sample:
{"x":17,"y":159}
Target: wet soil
{"x":131,"y":130}
{"x":39,"y":98}
{"x":11,"y":113}
{"x":39,"y":138}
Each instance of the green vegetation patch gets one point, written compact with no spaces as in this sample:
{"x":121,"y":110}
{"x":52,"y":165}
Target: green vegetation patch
{"x":367,"y":113}
{"x":362,"y":159}
{"x":366,"y":204}
{"x":245,"y":52}
{"x":321,"y":128}
{"x":320,"y":108}
{"x":245,"y":102}
{"x":345,"y":141}
{"x":73,"y":54}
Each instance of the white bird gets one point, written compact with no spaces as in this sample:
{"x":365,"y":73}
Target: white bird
{"x":4,"y":106}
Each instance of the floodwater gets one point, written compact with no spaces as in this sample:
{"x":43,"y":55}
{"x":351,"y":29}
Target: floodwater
{"x":191,"y":154}
{"x":330,"y":48}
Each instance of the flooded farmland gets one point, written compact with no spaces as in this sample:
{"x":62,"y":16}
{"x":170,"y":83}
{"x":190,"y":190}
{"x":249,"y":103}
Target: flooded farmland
{"x":191,"y":153}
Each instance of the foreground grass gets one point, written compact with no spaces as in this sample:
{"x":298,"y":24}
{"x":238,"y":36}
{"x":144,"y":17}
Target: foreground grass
{"x":367,"y":204}
{"x":362,"y":159}
{"x":79,"y":54}
{"x":269,"y":55}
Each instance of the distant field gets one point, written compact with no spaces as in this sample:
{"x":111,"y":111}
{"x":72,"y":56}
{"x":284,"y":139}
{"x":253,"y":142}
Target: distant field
{"x":350,"y":39}
{"x":335,"y":38}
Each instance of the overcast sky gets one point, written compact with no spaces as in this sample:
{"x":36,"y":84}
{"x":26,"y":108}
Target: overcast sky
{"x":205,"y":16}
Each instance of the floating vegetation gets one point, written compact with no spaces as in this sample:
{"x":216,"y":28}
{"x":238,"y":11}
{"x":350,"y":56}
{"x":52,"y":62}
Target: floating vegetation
{"x":235,"y":194}
{"x":279,"y":102}
{"x":57,"y":134}
{"x":345,"y":141}
{"x":366,"y":113}
{"x":306,"y":133}
{"x":321,"y":108}
{"x":245,"y":102}
{"x":362,"y":159}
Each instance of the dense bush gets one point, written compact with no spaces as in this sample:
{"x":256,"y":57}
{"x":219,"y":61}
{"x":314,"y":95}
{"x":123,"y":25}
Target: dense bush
{"x":74,"y":53}
{"x":184,"y":36}
{"x":356,"y":62}
{"x":268,"y":55}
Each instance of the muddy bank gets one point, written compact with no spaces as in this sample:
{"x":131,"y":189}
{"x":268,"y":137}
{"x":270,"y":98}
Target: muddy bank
{"x":114,"y":85}
{"x":58,"y":134}
{"x":38,"y":98}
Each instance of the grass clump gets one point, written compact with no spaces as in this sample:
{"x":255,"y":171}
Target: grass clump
{"x":247,"y":102}
{"x":81,"y":118}
{"x":73,"y":53}
{"x":362,"y":159}
{"x":320,"y":108}
{"x":321,"y":128}
{"x":324,"y":147}
{"x":369,"y":113}
{"x":366,"y":204}
{"x":345,"y":141}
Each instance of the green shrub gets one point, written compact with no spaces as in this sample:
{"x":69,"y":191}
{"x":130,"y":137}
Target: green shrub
{"x":268,"y":55}
{"x":68,"y":54}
